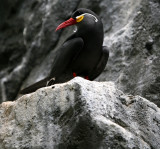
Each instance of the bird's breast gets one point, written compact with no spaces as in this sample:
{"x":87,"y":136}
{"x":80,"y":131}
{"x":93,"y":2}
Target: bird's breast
{"x":87,"y":59}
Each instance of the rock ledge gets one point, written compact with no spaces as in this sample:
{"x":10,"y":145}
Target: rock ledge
{"x":79,"y":114}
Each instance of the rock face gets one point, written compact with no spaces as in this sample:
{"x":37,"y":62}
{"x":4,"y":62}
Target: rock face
{"x":27,"y":39}
{"x":134,"y":42}
{"x":28,"y":42}
{"x":79,"y":115}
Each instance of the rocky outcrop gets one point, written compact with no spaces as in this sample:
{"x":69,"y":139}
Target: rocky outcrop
{"x":79,"y":114}
{"x":28,"y":42}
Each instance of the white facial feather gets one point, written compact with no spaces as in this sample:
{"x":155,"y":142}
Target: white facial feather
{"x":96,"y":20}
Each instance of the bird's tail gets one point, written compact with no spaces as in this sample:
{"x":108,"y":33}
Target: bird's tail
{"x":34,"y":87}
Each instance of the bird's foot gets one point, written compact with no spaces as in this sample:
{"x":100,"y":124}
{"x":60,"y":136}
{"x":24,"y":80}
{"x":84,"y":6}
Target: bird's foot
{"x":74,"y":74}
{"x":50,"y":82}
{"x":86,"y":77}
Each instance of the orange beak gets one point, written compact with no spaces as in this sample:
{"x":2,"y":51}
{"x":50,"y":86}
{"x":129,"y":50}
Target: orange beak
{"x":69,"y":22}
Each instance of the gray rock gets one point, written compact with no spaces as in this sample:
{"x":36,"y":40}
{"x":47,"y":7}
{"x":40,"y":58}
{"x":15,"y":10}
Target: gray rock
{"x":27,"y":39}
{"x":80,"y":114}
{"x":134,"y":45}
{"x":28,"y":43}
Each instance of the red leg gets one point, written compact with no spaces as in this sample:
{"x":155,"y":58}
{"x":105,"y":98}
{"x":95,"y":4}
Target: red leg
{"x":86,"y":77}
{"x":74,"y":74}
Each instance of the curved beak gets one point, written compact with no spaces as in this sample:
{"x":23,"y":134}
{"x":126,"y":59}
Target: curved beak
{"x":69,"y":22}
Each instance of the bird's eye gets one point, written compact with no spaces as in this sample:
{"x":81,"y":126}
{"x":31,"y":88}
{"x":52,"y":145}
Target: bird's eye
{"x":77,"y":13}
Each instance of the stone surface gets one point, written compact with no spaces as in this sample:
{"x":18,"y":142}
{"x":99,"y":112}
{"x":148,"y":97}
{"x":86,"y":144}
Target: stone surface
{"x":134,"y":42}
{"x":28,"y":42}
{"x":27,"y":39}
{"x":80,"y":114}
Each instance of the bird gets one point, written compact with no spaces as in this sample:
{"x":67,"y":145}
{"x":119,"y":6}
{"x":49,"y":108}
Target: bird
{"x":82,"y":53}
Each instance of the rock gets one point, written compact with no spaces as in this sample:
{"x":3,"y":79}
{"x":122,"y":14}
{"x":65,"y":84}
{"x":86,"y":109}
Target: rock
{"x":27,"y":39}
{"x":134,"y":45}
{"x":79,"y":114}
{"x":132,"y":34}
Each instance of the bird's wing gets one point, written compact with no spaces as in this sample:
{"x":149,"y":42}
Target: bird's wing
{"x":64,"y":57}
{"x":101,"y":64}
{"x":67,"y":52}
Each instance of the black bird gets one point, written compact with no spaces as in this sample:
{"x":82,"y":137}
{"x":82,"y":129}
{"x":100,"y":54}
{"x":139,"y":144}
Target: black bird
{"x":82,"y":54}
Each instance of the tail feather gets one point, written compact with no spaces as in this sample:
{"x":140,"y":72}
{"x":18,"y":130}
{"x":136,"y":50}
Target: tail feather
{"x":34,"y":86}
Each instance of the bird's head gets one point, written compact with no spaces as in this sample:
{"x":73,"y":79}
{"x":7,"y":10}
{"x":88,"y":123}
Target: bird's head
{"x":80,"y":16}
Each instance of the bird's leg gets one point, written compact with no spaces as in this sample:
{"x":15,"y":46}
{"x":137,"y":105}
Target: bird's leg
{"x":50,"y":82}
{"x":74,"y":74}
{"x":86,"y":77}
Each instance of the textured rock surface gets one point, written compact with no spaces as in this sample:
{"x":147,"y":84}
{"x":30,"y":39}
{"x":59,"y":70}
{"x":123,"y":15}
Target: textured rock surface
{"x":27,"y":39}
{"x":28,"y":42}
{"x":80,"y":114}
{"x":134,"y":42}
